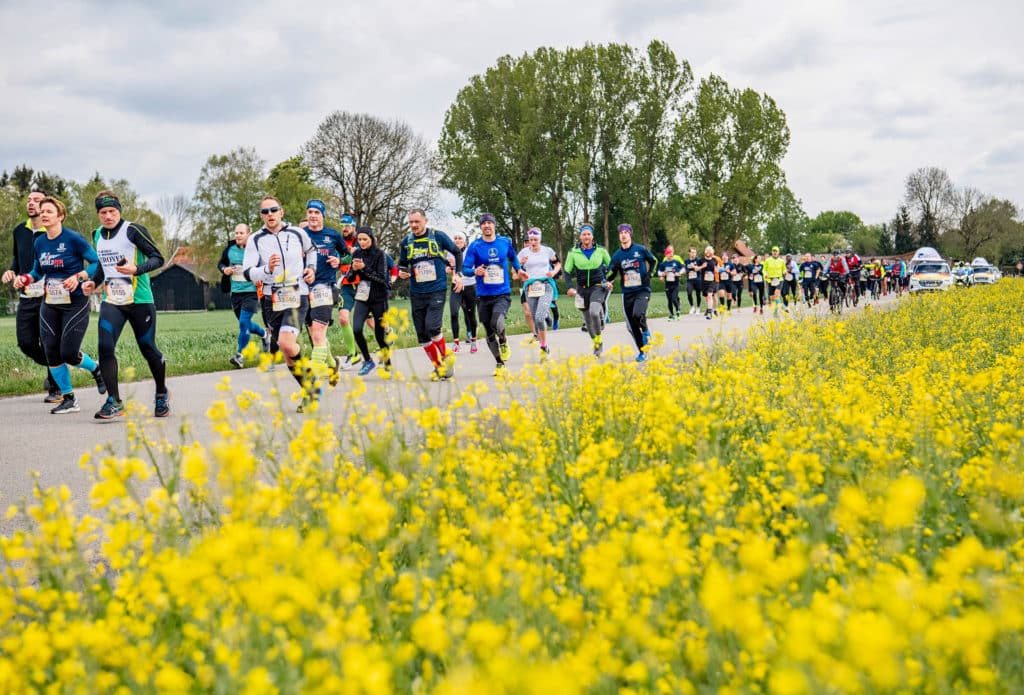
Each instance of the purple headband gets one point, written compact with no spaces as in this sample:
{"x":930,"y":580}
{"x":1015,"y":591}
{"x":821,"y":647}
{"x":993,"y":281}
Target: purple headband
{"x":626,"y":228}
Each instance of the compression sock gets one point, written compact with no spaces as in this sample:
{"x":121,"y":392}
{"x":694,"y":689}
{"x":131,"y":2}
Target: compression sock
{"x":62,"y":378}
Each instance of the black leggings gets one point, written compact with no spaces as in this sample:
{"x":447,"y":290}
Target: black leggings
{"x":757,"y":293}
{"x":27,"y":329}
{"x":62,"y":329}
{"x":360,"y":312}
{"x":492,"y":315}
{"x":142,"y":318}
{"x":635,"y":307}
{"x":672,"y":294}
{"x":466,"y":300}
{"x":693,"y":288}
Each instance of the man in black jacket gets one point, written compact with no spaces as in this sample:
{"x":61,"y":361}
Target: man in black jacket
{"x":31,"y":297}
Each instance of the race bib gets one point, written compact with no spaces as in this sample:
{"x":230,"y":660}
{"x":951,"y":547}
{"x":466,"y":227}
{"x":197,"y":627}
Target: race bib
{"x":34,"y":290}
{"x":363,"y":291}
{"x":284,"y":298}
{"x":789,"y":277}
{"x":56,"y":293}
{"x":237,"y":273}
{"x":692,"y":275}
{"x":775,"y":282}
{"x":670,"y":277}
{"x":494,"y":275}
{"x":709,"y":277}
{"x":758,"y":278}
{"x":426,"y":271}
{"x":631,"y":278}
{"x":536,"y":289}
{"x":120,"y":292}
{"x":321,"y":295}
{"x":580,"y":302}
{"x":735,"y":276}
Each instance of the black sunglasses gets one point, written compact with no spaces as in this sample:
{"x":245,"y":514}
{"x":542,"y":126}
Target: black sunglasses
{"x":267,"y":211}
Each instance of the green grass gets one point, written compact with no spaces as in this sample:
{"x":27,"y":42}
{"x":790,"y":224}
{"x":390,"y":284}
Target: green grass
{"x":201,"y":342}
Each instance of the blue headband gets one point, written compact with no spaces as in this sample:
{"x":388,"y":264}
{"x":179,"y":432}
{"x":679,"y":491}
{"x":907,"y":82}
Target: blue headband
{"x":316,"y":205}
{"x":348,"y":221}
{"x":586,"y":228}
{"x":487,"y":217}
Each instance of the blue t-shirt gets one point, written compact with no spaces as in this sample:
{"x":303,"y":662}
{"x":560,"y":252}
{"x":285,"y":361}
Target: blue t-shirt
{"x":426,"y":259}
{"x":672,"y":265}
{"x":328,"y":242}
{"x":634,"y":265}
{"x":60,"y":258}
{"x":498,"y":258}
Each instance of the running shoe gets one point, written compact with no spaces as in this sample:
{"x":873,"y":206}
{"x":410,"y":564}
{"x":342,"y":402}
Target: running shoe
{"x":352,"y":361}
{"x":309,"y":399}
{"x":472,"y":346}
{"x":500,"y":369}
{"x":333,"y":371}
{"x":439,"y":375}
{"x":110,"y":410}
{"x":266,"y":341}
{"x":68,"y":404}
{"x":368,"y":366}
{"x":237,"y":361}
{"x":598,"y":346}
{"x":455,"y":346}
{"x":554,"y":326}
{"x":504,"y":351}
{"x":647,"y":337}
{"x":545,"y":352}
{"x":641,"y":357}
{"x":53,"y":395}
{"x":100,"y":386}
{"x":162,"y":405}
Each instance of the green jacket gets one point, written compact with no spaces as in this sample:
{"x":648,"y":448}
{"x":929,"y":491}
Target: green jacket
{"x":583,"y":271}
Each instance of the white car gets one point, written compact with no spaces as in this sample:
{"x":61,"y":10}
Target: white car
{"x":986,"y":274}
{"x":931,"y":275}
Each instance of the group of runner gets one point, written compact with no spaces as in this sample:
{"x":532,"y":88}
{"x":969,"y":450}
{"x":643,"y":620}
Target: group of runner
{"x":55,"y":268}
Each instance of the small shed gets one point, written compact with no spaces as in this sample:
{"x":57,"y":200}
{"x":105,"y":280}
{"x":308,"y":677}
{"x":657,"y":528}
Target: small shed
{"x":178,"y":286}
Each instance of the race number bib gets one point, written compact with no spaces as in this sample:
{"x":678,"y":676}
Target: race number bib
{"x":56,"y":293}
{"x":580,"y":302}
{"x":34,"y":290}
{"x":709,"y":276}
{"x":735,"y":277}
{"x":536,"y":289}
{"x":789,"y":277}
{"x":237,"y":273}
{"x":670,"y":277}
{"x":775,"y":282}
{"x":758,"y":278}
{"x":321,"y":295}
{"x":284,"y":298}
{"x":692,"y":275}
{"x":120,"y":292}
{"x":426,"y":271}
{"x":363,"y":291}
{"x":494,"y":275}
{"x":631,"y":278}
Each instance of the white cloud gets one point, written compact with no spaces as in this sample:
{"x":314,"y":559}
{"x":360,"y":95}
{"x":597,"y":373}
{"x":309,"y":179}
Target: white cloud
{"x":147,"y":91}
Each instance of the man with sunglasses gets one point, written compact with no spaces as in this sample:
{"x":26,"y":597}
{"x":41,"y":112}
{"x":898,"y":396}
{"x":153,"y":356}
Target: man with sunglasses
{"x":284,"y":259}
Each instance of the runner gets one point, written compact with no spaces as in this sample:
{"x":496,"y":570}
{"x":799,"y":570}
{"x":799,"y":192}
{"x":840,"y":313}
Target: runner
{"x":244,"y":300}
{"x":774,"y":271}
{"x":585,"y":267}
{"x":755,"y":277}
{"x":724,"y":283}
{"x":30,"y":299}
{"x":809,"y":270}
{"x":331,"y":249}
{"x":284,"y":259}
{"x":423,"y":258}
{"x":693,"y":281}
{"x":635,"y":264}
{"x":369,"y":275}
{"x":464,"y":299}
{"x":670,"y":269}
{"x":708,"y":270}
{"x":736,"y":274}
{"x":492,"y":258}
{"x":348,"y":296}
{"x":127,"y":254}
{"x":541,"y":265}
{"x":791,"y":278}
{"x":63,"y":260}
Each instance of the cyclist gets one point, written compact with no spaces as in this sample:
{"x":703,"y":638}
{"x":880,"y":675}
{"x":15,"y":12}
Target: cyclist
{"x":853,"y":263}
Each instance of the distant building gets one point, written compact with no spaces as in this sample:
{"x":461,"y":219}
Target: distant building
{"x":178,"y":286}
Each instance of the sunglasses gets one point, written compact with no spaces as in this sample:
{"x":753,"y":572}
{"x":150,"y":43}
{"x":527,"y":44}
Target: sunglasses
{"x":267,"y":211}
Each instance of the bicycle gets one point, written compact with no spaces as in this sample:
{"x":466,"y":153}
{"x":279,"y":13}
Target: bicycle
{"x":836,"y":293}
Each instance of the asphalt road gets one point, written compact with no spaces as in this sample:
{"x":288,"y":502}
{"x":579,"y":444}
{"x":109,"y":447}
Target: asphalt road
{"x":33,"y":440}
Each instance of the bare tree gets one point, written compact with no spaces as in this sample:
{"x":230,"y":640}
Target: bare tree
{"x":930,"y":194}
{"x":176,"y":210}
{"x":378,"y":169}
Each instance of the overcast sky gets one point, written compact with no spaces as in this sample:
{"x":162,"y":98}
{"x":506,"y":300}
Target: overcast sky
{"x":147,"y":91}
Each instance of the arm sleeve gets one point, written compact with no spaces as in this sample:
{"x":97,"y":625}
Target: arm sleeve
{"x":89,"y":254}
{"x":138,"y":235}
{"x":612,"y":270}
{"x":468,"y":258}
{"x":308,"y":250}
{"x":377,"y":271}
{"x":514,"y":257}
{"x":254,"y":272}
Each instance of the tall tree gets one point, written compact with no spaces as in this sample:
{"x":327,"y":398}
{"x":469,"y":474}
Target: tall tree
{"x":22,"y":177}
{"x":985,"y":228}
{"x":228,"y":192}
{"x":788,"y":226}
{"x":886,"y":241}
{"x":929,"y":195}
{"x":378,"y":169}
{"x":80,"y":199}
{"x":840,"y":226}
{"x":733,"y":144}
{"x":291,"y":182}
{"x":176,"y":211}
{"x":903,"y":231}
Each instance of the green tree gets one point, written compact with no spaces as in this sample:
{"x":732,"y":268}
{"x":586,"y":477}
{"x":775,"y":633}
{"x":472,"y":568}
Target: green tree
{"x":866,"y":238}
{"x":733,"y":142}
{"x":833,"y":227}
{"x":788,"y":226}
{"x":985,"y":229}
{"x":81,"y":204}
{"x":903,"y":231}
{"x":22,"y":178}
{"x":291,"y":182}
{"x":228,"y":192}
{"x":930,"y":194}
{"x":886,"y":245}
